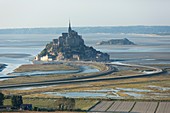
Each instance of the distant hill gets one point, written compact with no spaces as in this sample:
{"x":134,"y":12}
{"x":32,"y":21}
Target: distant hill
{"x":161,"y":30}
{"x":123,"y":41}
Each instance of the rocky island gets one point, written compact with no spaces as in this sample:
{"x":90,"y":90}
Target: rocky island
{"x":124,"y":41}
{"x":70,"y":46}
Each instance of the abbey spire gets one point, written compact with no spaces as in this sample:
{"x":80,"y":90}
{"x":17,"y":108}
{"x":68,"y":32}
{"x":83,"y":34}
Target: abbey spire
{"x":69,"y":28}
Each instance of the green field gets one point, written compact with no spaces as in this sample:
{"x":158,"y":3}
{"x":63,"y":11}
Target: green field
{"x":80,"y":104}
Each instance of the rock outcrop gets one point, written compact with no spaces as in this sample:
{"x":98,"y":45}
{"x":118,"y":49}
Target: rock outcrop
{"x":70,"y":46}
{"x":2,"y":66}
{"x":124,"y":41}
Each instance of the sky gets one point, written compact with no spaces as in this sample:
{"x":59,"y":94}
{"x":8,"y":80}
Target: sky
{"x":56,"y":13}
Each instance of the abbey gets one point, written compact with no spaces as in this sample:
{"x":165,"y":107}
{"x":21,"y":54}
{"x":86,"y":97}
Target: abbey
{"x":70,"y":39}
{"x":70,"y":46}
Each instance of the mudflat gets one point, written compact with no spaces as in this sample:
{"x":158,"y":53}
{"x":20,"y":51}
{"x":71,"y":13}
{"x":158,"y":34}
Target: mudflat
{"x":15,"y":55}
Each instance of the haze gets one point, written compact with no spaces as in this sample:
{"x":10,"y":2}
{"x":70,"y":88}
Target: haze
{"x":56,"y":13}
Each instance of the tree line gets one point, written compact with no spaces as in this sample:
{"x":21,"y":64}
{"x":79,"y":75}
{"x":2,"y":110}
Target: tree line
{"x":16,"y":100}
{"x":62,"y":104}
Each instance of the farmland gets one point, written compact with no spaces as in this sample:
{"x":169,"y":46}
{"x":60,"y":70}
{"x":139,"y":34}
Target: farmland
{"x":132,"y":107}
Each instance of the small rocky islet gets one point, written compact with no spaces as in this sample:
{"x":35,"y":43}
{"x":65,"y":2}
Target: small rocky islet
{"x":123,"y":41}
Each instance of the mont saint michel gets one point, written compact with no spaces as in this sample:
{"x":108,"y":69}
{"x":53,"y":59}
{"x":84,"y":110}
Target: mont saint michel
{"x":114,"y":59}
{"x":70,"y":46}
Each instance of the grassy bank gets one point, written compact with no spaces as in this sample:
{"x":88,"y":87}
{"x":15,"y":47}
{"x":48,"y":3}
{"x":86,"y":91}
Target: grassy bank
{"x":44,"y":67}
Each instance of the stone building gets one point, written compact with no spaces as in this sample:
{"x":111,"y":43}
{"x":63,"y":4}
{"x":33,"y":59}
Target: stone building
{"x":70,"y":39}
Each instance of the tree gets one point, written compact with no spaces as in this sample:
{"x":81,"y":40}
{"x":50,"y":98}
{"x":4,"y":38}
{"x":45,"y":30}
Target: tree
{"x":1,"y":99}
{"x":65,"y":104}
{"x":16,"y":101}
{"x":44,"y":52}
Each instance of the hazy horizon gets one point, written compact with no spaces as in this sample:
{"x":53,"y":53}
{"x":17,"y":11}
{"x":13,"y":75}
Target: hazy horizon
{"x":83,"y":13}
{"x":84,"y":26}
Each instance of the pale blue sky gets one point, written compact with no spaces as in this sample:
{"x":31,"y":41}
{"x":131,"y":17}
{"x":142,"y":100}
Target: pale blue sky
{"x":56,"y":13}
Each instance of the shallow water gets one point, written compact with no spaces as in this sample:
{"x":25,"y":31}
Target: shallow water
{"x":145,"y":43}
{"x":160,"y":95}
{"x":135,"y":95}
{"x":81,"y":94}
{"x":12,"y":63}
{"x":83,"y":69}
{"x":141,"y":57}
{"x":133,"y":90}
{"x":129,"y":91}
{"x":33,"y":43}
{"x":102,"y":93}
{"x":30,"y":88}
{"x":159,"y":88}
